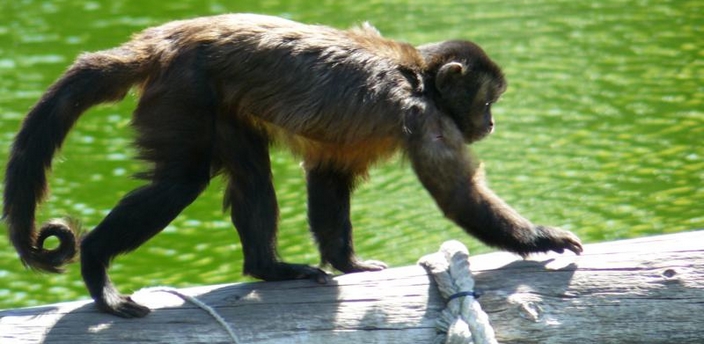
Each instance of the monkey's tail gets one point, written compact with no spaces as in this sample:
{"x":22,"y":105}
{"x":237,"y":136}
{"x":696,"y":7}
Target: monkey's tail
{"x":93,"y":79}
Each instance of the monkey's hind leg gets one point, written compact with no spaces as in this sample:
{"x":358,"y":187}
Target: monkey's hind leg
{"x":329,"y":193}
{"x":250,"y":195}
{"x":139,"y":216}
{"x":174,"y":121}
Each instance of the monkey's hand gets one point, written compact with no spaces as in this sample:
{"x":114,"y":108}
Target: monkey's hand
{"x":556,"y":239}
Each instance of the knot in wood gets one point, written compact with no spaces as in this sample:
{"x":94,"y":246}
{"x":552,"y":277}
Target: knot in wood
{"x":530,"y":310}
{"x":669,"y":273}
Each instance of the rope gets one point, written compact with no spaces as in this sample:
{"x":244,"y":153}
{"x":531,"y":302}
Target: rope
{"x":462,"y":321}
{"x":210,"y":310}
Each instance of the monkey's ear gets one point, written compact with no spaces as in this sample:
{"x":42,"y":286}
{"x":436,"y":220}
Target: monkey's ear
{"x":446,"y":76}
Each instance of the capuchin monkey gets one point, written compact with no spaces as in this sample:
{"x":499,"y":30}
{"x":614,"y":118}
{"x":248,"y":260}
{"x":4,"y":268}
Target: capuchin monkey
{"x":217,"y":92}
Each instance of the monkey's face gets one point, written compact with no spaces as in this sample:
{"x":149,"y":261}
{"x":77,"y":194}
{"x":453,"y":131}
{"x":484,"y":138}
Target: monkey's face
{"x":488,"y":91}
{"x":467,"y":82}
{"x":467,"y":95}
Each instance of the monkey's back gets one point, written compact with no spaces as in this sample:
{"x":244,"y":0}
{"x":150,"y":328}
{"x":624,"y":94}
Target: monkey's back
{"x":356,"y":82}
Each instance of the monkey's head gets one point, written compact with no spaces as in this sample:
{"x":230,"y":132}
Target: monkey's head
{"x":464,"y":83}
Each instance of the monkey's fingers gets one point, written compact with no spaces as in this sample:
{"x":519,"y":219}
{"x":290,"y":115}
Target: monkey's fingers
{"x":356,"y":265}
{"x":570,"y":242}
{"x":308,"y":272}
{"x":559,"y":240}
{"x":370,"y":265}
{"x":575,"y":246}
{"x":320,"y":278}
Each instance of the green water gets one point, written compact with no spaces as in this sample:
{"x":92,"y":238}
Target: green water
{"x":600,"y":131}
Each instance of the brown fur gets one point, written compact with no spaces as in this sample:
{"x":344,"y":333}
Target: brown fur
{"x":216,"y":92}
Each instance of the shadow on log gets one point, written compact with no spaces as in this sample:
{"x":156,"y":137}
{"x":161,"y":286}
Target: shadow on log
{"x":647,"y":290}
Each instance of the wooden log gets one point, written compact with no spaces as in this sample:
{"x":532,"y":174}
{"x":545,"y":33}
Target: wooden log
{"x":647,"y":290}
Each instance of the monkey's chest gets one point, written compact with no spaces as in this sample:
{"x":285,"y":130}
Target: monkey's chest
{"x":341,"y":151}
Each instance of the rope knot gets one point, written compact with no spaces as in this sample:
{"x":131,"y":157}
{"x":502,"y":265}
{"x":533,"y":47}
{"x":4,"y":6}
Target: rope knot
{"x":464,"y":321}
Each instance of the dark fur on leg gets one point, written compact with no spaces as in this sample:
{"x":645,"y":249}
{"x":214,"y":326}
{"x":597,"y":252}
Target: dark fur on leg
{"x":329,"y":218}
{"x":251,"y":199}
{"x":139,"y":216}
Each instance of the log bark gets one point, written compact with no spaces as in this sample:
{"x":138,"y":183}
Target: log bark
{"x":647,"y":290}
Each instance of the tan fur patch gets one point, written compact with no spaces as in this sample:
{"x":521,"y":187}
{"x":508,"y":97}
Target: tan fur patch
{"x":355,"y":157}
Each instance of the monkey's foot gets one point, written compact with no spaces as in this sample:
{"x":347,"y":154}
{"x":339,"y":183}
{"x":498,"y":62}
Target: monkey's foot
{"x":356,"y":265}
{"x":121,"y":305}
{"x":280,"y":271}
{"x":558,"y":240}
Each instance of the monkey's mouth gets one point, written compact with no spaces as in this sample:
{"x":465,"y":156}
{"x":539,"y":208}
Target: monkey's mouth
{"x":478,"y":136}
{"x":488,"y":130}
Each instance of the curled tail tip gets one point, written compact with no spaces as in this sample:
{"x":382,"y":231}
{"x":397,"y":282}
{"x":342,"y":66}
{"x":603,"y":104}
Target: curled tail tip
{"x":53,"y":260}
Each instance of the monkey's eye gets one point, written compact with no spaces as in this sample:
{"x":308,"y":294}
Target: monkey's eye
{"x":490,"y":103}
